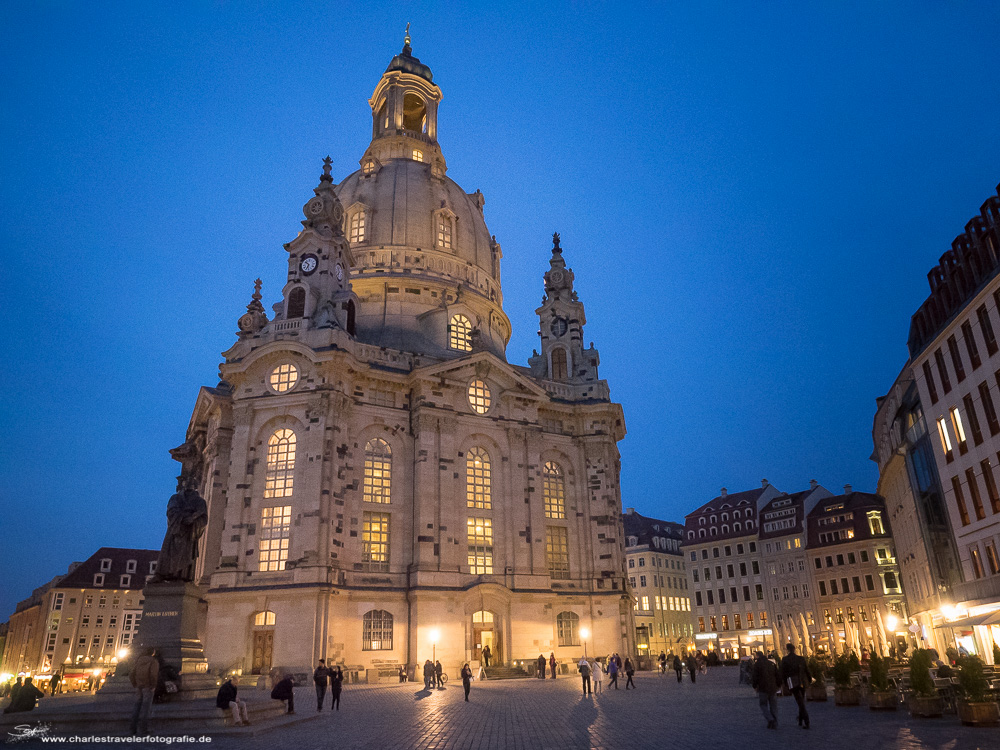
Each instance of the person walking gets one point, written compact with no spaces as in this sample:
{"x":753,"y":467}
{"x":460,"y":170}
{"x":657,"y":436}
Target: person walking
{"x":438,"y":672}
{"x":467,"y":679}
{"x":321,"y":676}
{"x":428,"y":674}
{"x":487,"y":655}
{"x":766,"y":682}
{"x":402,"y":673}
{"x":629,"y":673}
{"x":552,"y":664}
{"x":678,"y":667}
{"x":795,"y":674}
{"x":227,"y":701}
{"x":584,"y":668}
{"x":541,"y":667}
{"x":613,"y":673}
{"x":336,"y":686}
{"x":285,"y":691}
{"x":143,"y":676}
{"x":53,"y":684}
{"x":692,"y":665}
{"x":663,"y":662}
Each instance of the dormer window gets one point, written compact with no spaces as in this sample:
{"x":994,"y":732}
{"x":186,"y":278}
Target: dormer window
{"x":130,"y":566}
{"x":105,"y":565}
{"x":368,"y":167}
{"x":444,"y":231}
{"x":358,"y":224}
{"x":460,"y":333}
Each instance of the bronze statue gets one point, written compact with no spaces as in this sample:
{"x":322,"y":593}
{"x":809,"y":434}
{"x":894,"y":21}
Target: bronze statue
{"x":187,"y":517}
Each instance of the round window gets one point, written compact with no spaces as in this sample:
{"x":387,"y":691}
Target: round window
{"x":479,"y":396}
{"x":284,"y":377}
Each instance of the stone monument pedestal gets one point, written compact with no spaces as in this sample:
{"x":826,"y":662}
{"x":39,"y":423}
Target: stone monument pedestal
{"x":170,"y":616}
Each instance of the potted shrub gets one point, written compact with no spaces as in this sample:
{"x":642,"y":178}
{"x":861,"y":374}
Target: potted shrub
{"x":843,"y":693}
{"x":880,"y":697}
{"x":975,"y":708}
{"x":924,"y":700}
{"x":817,"y":688}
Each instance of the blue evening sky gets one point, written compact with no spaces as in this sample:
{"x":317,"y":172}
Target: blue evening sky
{"x":750,"y":194}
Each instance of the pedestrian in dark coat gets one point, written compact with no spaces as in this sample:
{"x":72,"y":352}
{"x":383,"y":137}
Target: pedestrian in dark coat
{"x":226,"y":700}
{"x":487,"y":655}
{"x":438,"y":675}
{"x":692,"y":665}
{"x":144,"y":676}
{"x":53,"y":684}
{"x":678,"y":667}
{"x":584,"y":669}
{"x":629,"y":673}
{"x":336,"y":686}
{"x":428,"y":674}
{"x":285,"y":691}
{"x":321,"y":676}
{"x":25,"y":698}
{"x":613,"y":673}
{"x":767,"y":682}
{"x":795,"y":674}
{"x":552,"y":664}
{"x":467,"y":679}
{"x":541,"y":667}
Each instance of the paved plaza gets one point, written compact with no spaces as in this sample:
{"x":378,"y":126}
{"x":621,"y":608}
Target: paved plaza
{"x":530,"y":714}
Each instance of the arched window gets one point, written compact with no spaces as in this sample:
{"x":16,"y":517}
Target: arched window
{"x":296,"y":303}
{"x":264,"y":618}
{"x":701,"y":533}
{"x":725,"y":528}
{"x":737,"y":526}
{"x":414,"y":114}
{"x":280,"y":464}
{"x":736,"y":514}
{"x":568,"y":628}
{"x":749,"y":525}
{"x":460,"y":333}
{"x":378,"y":472}
{"x":701,"y":521}
{"x":445,"y":229}
{"x":477,"y":479}
{"x":357,"y":228}
{"x":376,"y":631}
{"x":553,"y":491}
{"x":559,"y":371}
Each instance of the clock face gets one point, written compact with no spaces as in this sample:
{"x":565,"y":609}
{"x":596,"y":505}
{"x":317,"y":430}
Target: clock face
{"x":558,"y":327}
{"x":556,"y":277}
{"x":308,"y":264}
{"x":340,"y":272}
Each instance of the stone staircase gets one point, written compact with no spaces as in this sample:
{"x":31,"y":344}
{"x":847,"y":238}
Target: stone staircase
{"x":505,"y":673}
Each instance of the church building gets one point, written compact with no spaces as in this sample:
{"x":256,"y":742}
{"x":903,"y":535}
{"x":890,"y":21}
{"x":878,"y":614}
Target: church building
{"x":383,"y":485}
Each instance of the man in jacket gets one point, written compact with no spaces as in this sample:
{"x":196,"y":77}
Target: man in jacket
{"x":795,"y":674}
{"x":320,"y":677}
{"x":143,"y":676}
{"x":285,"y":691}
{"x":541,"y":667}
{"x":584,"y":669}
{"x":766,"y":682}
{"x":227,"y":701}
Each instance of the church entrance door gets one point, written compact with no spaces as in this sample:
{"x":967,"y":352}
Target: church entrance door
{"x":263,"y":649}
{"x":485,"y":633}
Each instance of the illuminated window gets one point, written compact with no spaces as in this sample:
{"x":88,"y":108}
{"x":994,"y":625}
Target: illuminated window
{"x":956,"y":420}
{"x":444,"y":230}
{"x":263,"y":618}
{"x":480,"y":532}
{"x":357,"y":230}
{"x":645,"y":603}
{"x":479,"y":396}
{"x":375,"y":541}
{"x":557,"y":553}
{"x":460,"y":333}
{"x":554,"y":491}
{"x":875,"y":523}
{"x":284,"y":377}
{"x":378,"y":472}
{"x":568,"y":628}
{"x":275,"y":531}
{"x":559,"y":368}
{"x":369,"y":166}
{"x":376,"y":631}
{"x":280,"y":464}
{"x":977,"y":562}
{"x":418,"y":155}
{"x":477,"y":479}
{"x":943,"y":433}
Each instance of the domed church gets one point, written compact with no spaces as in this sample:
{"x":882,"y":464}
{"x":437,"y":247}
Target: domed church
{"x":382,"y":485}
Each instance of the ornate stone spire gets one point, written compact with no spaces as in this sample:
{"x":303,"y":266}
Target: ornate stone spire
{"x":324,"y":213}
{"x":254,"y":319}
{"x":406,"y":41}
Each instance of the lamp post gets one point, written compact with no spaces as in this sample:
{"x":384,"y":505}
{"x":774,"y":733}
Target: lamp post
{"x":434,"y":634}
{"x":584,"y":633}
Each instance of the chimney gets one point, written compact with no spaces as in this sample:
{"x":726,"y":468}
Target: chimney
{"x":722,"y":492}
{"x":813,"y":484}
{"x":764,"y":483}
{"x":629,"y":511}
{"x":848,"y":489}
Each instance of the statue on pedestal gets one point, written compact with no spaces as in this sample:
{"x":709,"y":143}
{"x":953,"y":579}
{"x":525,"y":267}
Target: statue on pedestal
{"x":187,"y":517}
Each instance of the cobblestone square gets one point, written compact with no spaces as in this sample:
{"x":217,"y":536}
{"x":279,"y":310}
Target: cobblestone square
{"x":531,"y":714}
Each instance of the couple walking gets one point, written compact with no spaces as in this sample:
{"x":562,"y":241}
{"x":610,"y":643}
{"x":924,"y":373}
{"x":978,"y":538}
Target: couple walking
{"x":767,"y":679}
{"x":332,"y":675}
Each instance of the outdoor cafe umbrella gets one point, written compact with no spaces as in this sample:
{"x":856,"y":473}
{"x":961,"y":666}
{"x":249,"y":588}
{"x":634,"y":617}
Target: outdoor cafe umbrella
{"x":806,"y":643}
{"x":880,"y":639}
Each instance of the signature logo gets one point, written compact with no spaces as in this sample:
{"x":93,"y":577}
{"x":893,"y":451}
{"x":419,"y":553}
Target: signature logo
{"x":24,"y":732}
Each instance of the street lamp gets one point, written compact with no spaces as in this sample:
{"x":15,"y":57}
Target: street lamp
{"x":585,"y":634}
{"x":891,"y":621}
{"x":434,"y":634}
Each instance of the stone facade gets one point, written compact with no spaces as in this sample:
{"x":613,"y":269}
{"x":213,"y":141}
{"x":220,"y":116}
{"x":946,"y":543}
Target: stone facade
{"x":657,"y":580}
{"x":383,"y":486}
